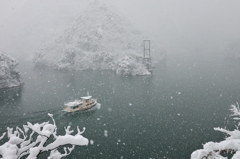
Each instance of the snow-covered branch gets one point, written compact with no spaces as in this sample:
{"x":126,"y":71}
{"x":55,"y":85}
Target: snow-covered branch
{"x":231,"y":144}
{"x":236,"y":111}
{"x":21,"y":144}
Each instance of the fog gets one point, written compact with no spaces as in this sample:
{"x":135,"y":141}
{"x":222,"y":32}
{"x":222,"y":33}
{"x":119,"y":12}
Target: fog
{"x":184,"y":28}
{"x":168,"y":111}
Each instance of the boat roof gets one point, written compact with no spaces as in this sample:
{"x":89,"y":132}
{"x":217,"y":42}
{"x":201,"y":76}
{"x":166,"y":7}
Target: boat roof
{"x":87,"y":97}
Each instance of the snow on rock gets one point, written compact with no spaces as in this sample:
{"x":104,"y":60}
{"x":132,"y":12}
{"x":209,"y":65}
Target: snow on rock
{"x":9,"y":75}
{"x":98,"y":39}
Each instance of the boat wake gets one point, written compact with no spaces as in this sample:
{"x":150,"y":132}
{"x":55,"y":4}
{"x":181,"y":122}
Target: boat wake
{"x":40,"y":116}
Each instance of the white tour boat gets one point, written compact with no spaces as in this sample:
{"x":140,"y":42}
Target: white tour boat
{"x":84,"y":103}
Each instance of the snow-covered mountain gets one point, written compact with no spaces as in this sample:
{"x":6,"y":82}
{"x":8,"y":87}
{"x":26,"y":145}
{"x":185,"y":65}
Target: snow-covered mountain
{"x":9,"y":75}
{"x":98,"y":39}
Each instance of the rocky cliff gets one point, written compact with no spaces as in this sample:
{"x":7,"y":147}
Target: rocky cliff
{"x":9,"y":75}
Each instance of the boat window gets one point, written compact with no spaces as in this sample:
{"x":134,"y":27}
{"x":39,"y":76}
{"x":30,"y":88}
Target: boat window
{"x":75,"y":107}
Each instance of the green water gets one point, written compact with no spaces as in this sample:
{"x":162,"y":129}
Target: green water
{"x":167,"y":115}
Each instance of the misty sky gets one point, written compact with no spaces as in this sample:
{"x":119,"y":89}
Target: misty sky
{"x":185,"y":26}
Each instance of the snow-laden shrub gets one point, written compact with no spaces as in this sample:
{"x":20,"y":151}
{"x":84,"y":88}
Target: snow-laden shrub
{"x":231,"y":144}
{"x":22,"y":143}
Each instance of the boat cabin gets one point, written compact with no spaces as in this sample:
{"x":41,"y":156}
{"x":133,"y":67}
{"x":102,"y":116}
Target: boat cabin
{"x":86,"y":99}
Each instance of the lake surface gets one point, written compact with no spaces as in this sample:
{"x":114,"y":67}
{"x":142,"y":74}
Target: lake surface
{"x":166,"y":115}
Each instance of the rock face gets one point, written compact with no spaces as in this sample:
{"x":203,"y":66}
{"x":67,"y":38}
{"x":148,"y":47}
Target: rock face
{"x":9,"y":75}
{"x":98,"y":39}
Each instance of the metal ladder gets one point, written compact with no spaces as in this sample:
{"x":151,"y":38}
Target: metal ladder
{"x":146,"y":54}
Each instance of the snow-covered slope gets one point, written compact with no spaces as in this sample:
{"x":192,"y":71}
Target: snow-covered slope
{"x":98,"y":39}
{"x":9,"y":75}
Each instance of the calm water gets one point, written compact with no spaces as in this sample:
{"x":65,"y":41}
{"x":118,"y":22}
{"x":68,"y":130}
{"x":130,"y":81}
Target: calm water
{"x":167,"y":115}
